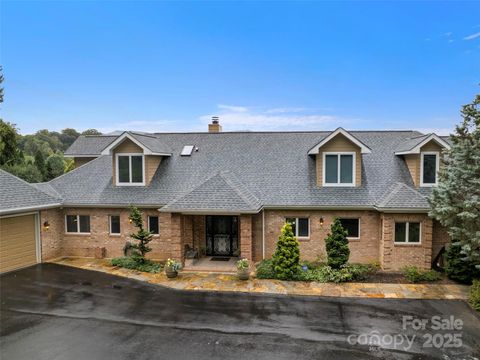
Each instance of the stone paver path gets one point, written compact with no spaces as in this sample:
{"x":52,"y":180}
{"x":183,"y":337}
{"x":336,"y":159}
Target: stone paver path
{"x":224,"y":282}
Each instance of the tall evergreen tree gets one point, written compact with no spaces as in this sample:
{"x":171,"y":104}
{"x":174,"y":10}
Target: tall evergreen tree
{"x":287,"y":255}
{"x":456,"y":200}
{"x":40,"y":164}
{"x":143,"y":236}
{"x":336,"y":245}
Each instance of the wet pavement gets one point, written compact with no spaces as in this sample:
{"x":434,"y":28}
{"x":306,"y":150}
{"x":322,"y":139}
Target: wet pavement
{"x":51,"y":311}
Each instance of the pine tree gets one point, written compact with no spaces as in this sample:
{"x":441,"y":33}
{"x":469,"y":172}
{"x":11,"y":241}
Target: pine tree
{"x":456,"y":200}
{"x":142,"y":236}
{"x":287,"y":255}
{"x":40,"y":164}
{"x":336,"y":244}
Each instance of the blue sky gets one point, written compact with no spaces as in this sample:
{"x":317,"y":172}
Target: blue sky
{"x":170,"y":66}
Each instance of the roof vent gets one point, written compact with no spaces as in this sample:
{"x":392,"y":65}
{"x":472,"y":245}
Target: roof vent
{"x":187,"y":150}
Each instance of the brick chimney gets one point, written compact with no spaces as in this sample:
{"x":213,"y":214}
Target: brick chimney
{"x":215,"y":126}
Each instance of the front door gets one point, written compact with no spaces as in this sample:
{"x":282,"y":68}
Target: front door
{"x":222,"y":235}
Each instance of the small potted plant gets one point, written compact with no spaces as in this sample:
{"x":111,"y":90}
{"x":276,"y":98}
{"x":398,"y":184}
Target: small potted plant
{"x":171,"y":268}
{"x":243,"y":269}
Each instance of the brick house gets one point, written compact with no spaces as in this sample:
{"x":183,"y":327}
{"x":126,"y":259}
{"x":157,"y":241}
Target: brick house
{"x":229,"y":193}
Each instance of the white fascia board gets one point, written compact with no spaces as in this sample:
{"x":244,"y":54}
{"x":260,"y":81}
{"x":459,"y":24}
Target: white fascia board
{"x":364,"y":148}
{"x":81,"y":156}
{"x":126,"y":135}
{"x":416,"y":149}
{"x":29,"y":208}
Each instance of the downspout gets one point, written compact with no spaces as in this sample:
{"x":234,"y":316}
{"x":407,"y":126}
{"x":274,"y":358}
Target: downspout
{"x":263,"y":234}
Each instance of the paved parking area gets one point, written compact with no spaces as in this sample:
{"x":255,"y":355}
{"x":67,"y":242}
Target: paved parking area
{"x":51,"y":311}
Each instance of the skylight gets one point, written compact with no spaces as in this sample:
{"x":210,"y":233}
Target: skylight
{"x":187,"y":150}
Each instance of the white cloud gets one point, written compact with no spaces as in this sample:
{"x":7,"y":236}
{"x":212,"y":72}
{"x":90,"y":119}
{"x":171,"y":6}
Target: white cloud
{"x":244,"y":118}
{"x":472,"y":36}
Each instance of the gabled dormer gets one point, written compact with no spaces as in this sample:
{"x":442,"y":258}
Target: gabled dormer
{"x":423,"y":157}
{"x":136,"y":158}
{"x":339,"y":159}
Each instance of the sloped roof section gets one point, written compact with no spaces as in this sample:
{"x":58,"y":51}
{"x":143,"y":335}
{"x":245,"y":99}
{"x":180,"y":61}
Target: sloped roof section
{"x":413,"y":145}
{"x":222,"y":193}
{"x":402,"y":196}
{"x":340,"y":131}
{"x":17,"y":195}
{"x":150,"y":144}
{"x":90,"y":145}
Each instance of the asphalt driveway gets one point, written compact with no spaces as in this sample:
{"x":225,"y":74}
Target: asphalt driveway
{"x":56,"y":312}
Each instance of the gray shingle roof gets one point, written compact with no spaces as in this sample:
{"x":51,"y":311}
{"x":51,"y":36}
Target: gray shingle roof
{"x":17,"y":195}
{"x":273,"y":166}
{"x":402,"y":196}
{"x":89,"y":145}
{"x":155,"y":144}
{"x":222,"y":192}
{"x":410,"y":143}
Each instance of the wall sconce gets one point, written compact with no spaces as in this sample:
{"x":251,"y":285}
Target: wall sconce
{"x":321,"y":221}
{"x":46,"y":226}
{"x":130,"y":220}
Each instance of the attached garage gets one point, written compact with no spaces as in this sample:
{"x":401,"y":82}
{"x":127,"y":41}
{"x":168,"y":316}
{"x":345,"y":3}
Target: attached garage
{"x":19,"y":242}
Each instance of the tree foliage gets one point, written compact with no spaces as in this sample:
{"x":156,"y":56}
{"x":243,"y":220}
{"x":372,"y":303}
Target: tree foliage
{"x":287,"y":255}
{"x":457,"y":267}
{"x":9,"y":152}
{"x":336,"y":245}
{"x":456,"y":200}
{"x":142,"y":236}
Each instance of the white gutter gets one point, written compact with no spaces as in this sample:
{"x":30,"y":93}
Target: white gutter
{"x":263,"y":234}
{"x":28,"y":208}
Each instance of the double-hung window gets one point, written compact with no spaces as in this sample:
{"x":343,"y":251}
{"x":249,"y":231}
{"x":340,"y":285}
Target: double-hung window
{"x":339,"y":169}
{"x":153,"y":225}
{"x":77,"y":224}
{"x":130,"y":169}
{"x":352,"y":226}
{"x":429,"y":168}
{"x":407,"y":232}
{"x":300,"y":226}
{"x":115,"y":224}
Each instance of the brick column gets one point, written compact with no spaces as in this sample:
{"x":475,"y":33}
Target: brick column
{"x":176,"y":237}
{"x":246,"y":237}
{"x":387,"y":242}
{"x":427,"y":240}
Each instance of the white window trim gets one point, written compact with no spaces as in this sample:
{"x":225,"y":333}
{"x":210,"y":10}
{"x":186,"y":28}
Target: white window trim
{"x":78,"y":225}
{"x":338,"y":153}
{"x":437,"y":167}
{"x":359,"y":228}
{"x":407,"y":228}
{"x":117,"y":172}
{"x":296,"y":226}
{"x":110,"y":225}
{"x":148,"y":224}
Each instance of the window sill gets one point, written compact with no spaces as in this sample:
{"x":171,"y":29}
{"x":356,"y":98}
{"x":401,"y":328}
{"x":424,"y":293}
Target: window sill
{"x":77,"y":234}
{"x":353,"y":239}
{"x":303,"y":238}
{"x":339,"y":185}
{"x":115,"y":235}
{"x":407,"y":244}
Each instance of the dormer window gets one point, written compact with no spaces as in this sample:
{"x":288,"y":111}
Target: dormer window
{"x":130,"y":169}
{"x":339,"y":169}
{"x":429,"y":166}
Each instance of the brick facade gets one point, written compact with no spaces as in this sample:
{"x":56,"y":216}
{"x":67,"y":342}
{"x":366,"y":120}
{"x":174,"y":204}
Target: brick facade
{"x":376,"y":242}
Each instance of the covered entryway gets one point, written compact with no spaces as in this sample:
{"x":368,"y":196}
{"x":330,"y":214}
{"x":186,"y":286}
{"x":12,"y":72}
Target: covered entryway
{"x":18,"y":241}
{"x":222,"y":235}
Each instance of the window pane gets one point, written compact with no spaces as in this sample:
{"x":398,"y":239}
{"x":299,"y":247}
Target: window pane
{"x":400,"y":232}
{"x":292,"y":221}
{"x":351,"y":225}
{"x":137,"y":169}
{"x":303,"y":227}
{"x":123,"y":169}
{"x":153,"y":224}
{"x":429,"y":168}
{"x":84,"y":223}
{"x":72,"y":223}
{"x":331,"y":169}
{"x":346,"y":169}
{"x":414,"y":232}
{"x":115,"y":224}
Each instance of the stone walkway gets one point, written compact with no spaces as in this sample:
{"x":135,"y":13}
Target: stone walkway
{"x":223,"y":282}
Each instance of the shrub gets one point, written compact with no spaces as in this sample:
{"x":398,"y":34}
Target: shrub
{"x":242,"y":264}
{"x":142,"y":236}
{"x":287,"y":255}
{"x":325,"y":273}
{"x":474,"y":298}
{"x":415,"y":275}
{"x":337,"y":245}
{"x":131,"y":262}
{"x":457,"y":268}
{"x":265,"y":270}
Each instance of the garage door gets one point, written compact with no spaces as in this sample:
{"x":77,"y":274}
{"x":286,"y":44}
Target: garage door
{"x":17,"y":242}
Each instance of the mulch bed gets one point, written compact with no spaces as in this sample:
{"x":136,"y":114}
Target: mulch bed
{"x":398,"y":278}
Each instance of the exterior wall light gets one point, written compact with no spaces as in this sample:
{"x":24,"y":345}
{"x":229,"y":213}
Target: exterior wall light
{"x":46,"y":226}
{"x":321,"y":221}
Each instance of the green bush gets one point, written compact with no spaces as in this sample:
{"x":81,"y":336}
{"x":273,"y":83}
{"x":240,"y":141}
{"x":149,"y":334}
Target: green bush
{"x":325,"y":273}
{"x":415,"y":275}
{"x":336,"y":244}
{"x":287,"y":255}
{"x":131,"y":262}
{"x":265,"y":270}
{"x":474,"y":298}
{"x":457,"y":268}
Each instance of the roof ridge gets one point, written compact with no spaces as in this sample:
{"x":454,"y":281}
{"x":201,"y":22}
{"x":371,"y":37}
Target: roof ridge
{"x":227,"y":176}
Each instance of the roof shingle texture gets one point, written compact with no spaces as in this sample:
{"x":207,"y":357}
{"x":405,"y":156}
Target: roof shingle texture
{"x":274,"y":167}
{"x":16,"y":194}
